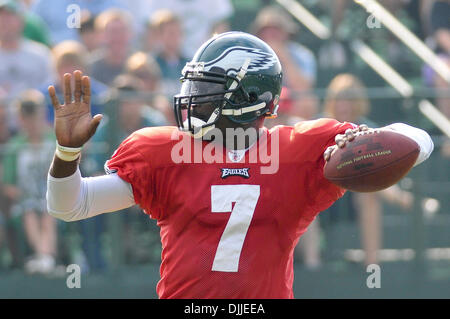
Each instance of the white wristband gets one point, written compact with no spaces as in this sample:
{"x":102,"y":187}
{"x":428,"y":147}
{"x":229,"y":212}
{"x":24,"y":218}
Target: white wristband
{"x":68,"y":149}
{"x":67,"y":154}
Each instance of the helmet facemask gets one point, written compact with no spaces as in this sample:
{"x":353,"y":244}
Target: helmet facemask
{"x":222,"y":91}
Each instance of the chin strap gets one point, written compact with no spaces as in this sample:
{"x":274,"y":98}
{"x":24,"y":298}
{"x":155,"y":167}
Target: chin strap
{"x":244,"y":110}
{"x":197,"y":123}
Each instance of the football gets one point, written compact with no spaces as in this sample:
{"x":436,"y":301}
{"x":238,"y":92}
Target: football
{"x":374,"y":160}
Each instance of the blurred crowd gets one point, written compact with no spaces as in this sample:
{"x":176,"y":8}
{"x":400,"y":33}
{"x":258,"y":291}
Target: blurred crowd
{"x":134,"y":52}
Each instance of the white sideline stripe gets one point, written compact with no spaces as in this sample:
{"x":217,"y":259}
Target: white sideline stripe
{"x":305,"y":17}
{"x":407,"y":37}
{"x":435,"y":116}
{"x":382,"y":68}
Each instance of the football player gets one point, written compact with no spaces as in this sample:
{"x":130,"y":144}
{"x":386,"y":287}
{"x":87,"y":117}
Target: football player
{"x":228,"y":227}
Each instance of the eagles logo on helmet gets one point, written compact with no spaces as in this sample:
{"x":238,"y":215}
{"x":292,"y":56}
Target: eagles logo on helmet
{"x":237,"y":73}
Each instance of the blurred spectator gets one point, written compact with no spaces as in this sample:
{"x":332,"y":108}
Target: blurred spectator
{"x":28,"y":3}
{"x":144,"y":67}
{"x":115,"y":31}
{"x":440,"y":25}
{"x":293,"y":109}
{"x":199,"y":17}
{"x":69,"y":56}
{"x":275,"y":27}
{"x":4,"y":131}
{"x":24,"y":63}
{"x":221,"y":26}
{"x":332,"y":55}
{"x":425,"y":7}
{"x":87,"y":32}
{"x":150,"y":42}
{"x":56,"y":14}
{"x":168,"y":31}
{"x":347,"y":100}
{"x":34,"y":27}
{"x":8,"y":231}
{"x":25,"y":181}
{"x":126,"y":114}
{"x":297,"y":102}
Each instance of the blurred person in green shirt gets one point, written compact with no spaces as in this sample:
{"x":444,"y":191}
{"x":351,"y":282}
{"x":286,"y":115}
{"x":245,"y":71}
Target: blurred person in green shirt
{"x":25,"y":166}
{"x":125,"y":113}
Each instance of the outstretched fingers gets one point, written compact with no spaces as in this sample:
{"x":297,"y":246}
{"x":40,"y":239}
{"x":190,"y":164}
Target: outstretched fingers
{"x":67,"y":89}
{"x":86,"y":90}
{"x":53,"y":97}
{"x":81,"y":92}
{"x":78,"y":91}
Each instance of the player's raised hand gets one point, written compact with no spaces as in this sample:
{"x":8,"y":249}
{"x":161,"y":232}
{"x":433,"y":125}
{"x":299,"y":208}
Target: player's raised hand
{"x":74,"y":124}
{"x":342,"y":139}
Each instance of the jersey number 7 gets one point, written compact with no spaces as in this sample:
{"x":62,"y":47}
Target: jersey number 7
{"x":230,"y":245}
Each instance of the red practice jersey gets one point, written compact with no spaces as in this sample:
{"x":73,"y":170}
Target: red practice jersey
{"x":229,"y":229}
